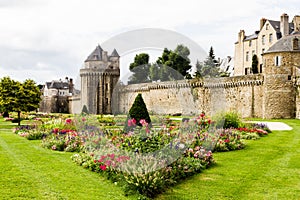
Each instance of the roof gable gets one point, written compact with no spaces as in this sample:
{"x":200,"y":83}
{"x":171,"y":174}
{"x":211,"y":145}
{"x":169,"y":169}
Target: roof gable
{"x":95,"y":55}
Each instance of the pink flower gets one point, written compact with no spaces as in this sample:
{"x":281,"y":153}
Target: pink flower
{"x":143,"y":122}
{"x":68,"y":121}
{"x":131,"y":122}
{"x":108,"y":163}
{"x":103,"y":167}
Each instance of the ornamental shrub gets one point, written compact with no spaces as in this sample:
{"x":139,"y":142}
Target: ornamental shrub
{"x":138,"y":111}
{"x":228,"y":120}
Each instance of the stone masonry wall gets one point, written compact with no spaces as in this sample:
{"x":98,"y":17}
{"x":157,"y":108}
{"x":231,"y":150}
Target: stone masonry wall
{"x":243,"y":94}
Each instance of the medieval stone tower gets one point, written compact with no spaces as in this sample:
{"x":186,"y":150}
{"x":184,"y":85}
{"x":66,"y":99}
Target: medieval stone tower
{"x":99,"y":76}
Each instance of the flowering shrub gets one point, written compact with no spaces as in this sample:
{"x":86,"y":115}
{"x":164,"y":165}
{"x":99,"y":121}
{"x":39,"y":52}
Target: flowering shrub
{"x":63,"y":140}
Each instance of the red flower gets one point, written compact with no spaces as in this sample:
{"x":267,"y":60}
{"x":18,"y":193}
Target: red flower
{"x":68,"y":121}
{"x":202,"y":115}
{"x":103,"y":167}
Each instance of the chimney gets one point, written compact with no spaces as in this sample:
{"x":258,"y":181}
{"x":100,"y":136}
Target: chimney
{"x":262,"y":22}
{"x":104,"y":56}
{"x":71,"y":86}
{"x":241,"y":36}
{"x":296,"y":21}
{"x":284,"y":24}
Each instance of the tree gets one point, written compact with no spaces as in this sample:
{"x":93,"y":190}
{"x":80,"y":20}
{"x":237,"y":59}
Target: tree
{"x":177,"y":60}
{"x":254,"y":64}
{"x":18,"y":97}
{"x":208,"y":68}
{"x":140,"y":69}
{"x":138,"y":111}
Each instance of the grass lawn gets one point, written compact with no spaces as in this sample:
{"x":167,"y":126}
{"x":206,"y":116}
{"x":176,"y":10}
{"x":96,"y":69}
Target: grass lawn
{"x":28,"y":171}
{"x":268,"y":168}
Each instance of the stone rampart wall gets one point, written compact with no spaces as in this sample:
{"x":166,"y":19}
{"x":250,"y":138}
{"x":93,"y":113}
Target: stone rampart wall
{"x":243,"y":94}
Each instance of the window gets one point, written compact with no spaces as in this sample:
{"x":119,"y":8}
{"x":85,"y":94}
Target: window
{"x":277,"y":61}
{"x":267,"y":26}
{"x":270,"y":37}
{"x":253,"y":52}
{"x":106,"y":86}
{"x":263,"y":50}
{"x":263,"y":39}
{"x":250,"y":43}
{"x":260,"y":68}
{"x":246,"y":71}
{"x":247,"y":56}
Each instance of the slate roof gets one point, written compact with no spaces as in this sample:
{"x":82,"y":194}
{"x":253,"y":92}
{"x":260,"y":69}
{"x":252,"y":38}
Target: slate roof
{"x":251,"y":37}
{"x":285,"y":44}
{"x":95,"y":55}
{"x":57,"y":85}
{"x":276,"y":26}
{"x":114,"y":53}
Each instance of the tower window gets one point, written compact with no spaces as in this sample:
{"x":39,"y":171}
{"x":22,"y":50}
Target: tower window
{"x":277,"y":61}
{"x":267,"y":26}
{"x":250,"y":43}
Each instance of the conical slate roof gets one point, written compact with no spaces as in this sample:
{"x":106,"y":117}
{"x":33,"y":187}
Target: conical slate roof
{"x":96,"y":54}
{"x":114,"y":53}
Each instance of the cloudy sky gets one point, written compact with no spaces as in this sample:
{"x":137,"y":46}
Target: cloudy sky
{"x":50,"y":39}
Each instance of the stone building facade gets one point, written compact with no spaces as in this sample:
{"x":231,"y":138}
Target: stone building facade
{"x":99,"y":76}
{"x":274,"y":93}
{"x":55,"y":96}
{"x":270,"y":31}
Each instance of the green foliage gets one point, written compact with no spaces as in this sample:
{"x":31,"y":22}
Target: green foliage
{"x":140,"y":68}
{"x":254,"y":64}
{"x":84,"y":110}
{"x":16,"y":96}
{"x":177,"y":60}
{"x":139,"y":110}
{"x":228,"y":120}
{"x":209,"y":67}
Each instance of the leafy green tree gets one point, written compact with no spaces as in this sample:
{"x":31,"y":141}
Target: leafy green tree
{"x":140,"y":68}
{"x":254,"y":64}
{"x":18,"y":97}
{"x":177,"y":60}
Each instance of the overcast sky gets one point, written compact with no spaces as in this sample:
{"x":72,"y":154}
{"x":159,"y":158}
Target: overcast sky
{"x":50,"y":39}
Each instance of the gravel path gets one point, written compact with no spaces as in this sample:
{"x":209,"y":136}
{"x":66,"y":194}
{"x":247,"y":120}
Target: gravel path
{"x":276,"y":126}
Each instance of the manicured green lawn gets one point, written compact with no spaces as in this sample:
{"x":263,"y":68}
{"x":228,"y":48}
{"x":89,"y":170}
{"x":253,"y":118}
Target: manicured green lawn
{"x":28,"y":171}
{"x":268,"y":168}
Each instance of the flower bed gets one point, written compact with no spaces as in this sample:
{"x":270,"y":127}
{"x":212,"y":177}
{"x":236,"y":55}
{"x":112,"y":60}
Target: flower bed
{"x":144,"y":159}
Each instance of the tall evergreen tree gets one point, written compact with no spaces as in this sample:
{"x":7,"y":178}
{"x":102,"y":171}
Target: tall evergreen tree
{"x":254,"y":64}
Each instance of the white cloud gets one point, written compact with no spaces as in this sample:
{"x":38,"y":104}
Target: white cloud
{"x":61,"y":33}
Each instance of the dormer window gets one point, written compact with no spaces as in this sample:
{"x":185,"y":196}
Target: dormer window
{"x":267,"y":26}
